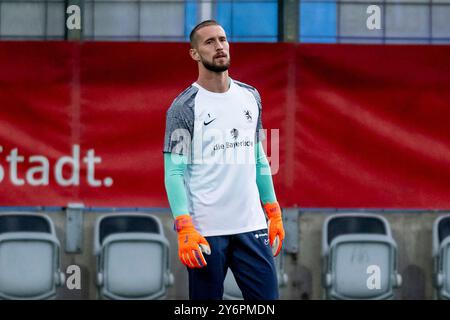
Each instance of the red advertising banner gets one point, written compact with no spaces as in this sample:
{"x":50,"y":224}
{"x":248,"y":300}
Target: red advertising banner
{"x":348,"y":125}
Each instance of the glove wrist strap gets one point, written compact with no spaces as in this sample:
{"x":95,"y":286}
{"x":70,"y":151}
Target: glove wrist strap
{"x":273,"y":210}
{"x":183,"y":222}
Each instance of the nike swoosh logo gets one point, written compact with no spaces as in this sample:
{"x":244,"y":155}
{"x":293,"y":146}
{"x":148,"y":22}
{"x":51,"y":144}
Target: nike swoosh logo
{"x":206,"y":123}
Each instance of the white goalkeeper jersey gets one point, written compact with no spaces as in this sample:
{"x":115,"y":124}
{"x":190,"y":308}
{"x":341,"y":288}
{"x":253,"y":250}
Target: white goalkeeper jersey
{"x":218,"y":132}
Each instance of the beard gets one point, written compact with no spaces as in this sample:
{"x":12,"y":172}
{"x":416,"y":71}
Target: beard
{"x":214,"y":67}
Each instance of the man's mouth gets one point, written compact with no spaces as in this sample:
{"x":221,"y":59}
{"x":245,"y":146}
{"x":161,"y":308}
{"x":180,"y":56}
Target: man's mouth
{"x":220,"y":56}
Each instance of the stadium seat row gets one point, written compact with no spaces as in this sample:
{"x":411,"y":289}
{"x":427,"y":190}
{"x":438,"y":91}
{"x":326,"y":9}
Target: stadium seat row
{"x":132,"y":258}
{"x":360,"y":257}
{"x":131,"y":251}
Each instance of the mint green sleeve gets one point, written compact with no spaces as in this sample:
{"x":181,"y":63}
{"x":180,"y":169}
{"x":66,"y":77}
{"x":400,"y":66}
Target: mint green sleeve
{"x":174,"y":168}
{"x":264,"y":176}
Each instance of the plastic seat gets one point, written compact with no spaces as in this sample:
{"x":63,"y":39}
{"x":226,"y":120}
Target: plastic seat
{"x":29,"y":257}
{"x":441,"y":257}
{"x":359,"y":257}
{"x":132,"y":257}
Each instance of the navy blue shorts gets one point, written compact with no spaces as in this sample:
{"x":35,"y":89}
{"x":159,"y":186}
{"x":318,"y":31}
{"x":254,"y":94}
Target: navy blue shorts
{"x":249,"y":257}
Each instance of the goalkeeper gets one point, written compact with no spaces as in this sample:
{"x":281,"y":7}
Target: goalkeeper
{"x":215,"y":201}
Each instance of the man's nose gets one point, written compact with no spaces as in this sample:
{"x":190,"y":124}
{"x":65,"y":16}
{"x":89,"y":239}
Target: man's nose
{"x":219,"y":45}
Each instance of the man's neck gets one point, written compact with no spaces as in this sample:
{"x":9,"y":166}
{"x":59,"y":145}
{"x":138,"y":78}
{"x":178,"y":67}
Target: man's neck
{"x":214,"y":81}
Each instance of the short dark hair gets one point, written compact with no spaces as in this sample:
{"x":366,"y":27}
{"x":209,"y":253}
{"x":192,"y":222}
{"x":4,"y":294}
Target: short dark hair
{"x":202,"y":24}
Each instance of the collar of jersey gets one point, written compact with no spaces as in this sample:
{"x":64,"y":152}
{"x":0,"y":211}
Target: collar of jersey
{"x":216,"y":94}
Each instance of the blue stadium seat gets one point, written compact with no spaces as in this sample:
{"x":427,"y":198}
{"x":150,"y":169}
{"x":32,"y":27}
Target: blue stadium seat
{"x":29,"y":257}
{"x":359,"y":257}
{"x":441,"y":256}
{"x":132,"y":257}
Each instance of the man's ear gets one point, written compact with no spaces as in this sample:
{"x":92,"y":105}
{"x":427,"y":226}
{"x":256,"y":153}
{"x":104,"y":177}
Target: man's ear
{"x":194,"y":54}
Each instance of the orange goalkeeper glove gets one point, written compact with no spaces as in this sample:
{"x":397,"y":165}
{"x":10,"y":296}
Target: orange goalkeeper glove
{"x":275,"y":226}
{"x":190,"y":243}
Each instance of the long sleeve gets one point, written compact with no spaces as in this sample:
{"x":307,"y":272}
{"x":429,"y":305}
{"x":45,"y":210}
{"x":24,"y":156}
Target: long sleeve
{"x":174,"y":168}
{"x":264,"y":176}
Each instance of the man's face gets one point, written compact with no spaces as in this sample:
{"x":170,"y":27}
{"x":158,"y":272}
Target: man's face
{"x":212,"y":48}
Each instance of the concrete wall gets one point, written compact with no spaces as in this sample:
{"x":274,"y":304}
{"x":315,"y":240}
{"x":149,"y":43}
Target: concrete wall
{"x":412,"y":232}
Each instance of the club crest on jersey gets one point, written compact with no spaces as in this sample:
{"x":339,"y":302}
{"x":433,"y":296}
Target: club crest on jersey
{"x":234,"y":133}
{"x":248,"y":115}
